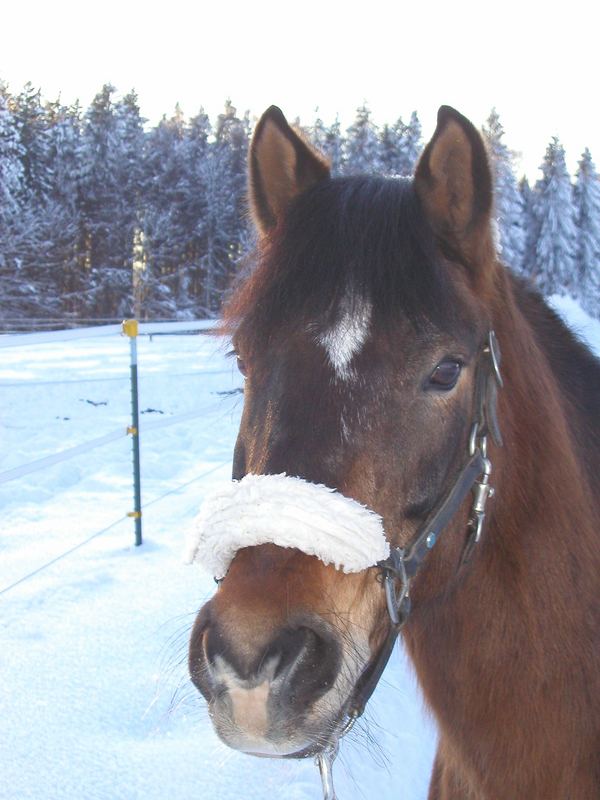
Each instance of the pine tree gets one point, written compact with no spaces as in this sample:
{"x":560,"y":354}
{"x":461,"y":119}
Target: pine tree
{"x":224,"y":176}
{"x":99,"y":202}
{"x":199,"y":224}
{"x":530,"y":228}
{"x":32,"y":286}
{"x":391,"y":157}
{"x":318,"y":133}
{"x":60,"y":221}
{"x":587,"y":210}
{"x":113,"y":143}
{"x":508,"y":201}
{"x":329,"y":141}
{"x":556,"y":241}
{"x":400,"y":146}
{"x":11,"y":195}
{"x":334,"y":146}
{"x":166,"y":230}
{"x":411,"y":145}
{"x":11,"y":160}
{"x":129,"y":171}
{"x":362,"y":144}
{"x":32,"y":125}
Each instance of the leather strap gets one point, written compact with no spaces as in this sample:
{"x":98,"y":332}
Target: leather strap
{"x":439,"y":519}
{"x":412,"y":560}
{"x":404,"y":563}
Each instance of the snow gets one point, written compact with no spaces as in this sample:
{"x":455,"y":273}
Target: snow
{"x":289,"y":512}
{"x":586,"y":327}
{"x":95,"y":699}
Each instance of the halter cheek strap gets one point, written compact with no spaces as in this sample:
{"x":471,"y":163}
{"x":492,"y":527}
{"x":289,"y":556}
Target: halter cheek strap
{"x":403,"y":564}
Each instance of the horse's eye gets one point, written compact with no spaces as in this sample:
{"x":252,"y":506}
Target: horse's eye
{"x":445,"y":375}
{"x":241,"y":365}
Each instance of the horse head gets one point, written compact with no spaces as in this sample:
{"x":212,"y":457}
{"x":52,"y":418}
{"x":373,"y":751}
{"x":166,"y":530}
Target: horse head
{"x":359,"y":333}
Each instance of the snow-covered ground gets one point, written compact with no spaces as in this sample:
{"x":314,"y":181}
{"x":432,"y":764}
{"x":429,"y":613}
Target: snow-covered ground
{"x":95,"y":700}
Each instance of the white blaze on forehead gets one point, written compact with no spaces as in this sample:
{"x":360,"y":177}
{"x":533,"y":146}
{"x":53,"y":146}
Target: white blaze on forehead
{"x":347,"y":337}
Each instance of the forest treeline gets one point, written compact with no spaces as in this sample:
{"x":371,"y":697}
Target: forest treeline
{"x":102,"y":217}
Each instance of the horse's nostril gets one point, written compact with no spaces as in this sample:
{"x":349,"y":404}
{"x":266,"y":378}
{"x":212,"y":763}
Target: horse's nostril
{"x":309,"y":664}
{"x":287,"y":649}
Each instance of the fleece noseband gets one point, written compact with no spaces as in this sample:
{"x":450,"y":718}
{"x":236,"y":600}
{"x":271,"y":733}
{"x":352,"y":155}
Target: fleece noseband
{"x":288,"y":512}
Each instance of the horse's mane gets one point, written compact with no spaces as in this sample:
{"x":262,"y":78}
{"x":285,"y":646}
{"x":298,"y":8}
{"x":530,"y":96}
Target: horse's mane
{"x":576,"y":369}
{"x":345,"y":240}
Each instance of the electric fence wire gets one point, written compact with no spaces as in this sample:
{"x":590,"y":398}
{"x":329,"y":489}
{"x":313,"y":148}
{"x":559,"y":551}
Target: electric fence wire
{"x":76,"y":334}
{"x":81,"y":544}
{"x":71,"y":452}
{"x":64,"y":455}
{"x":142,"y":377}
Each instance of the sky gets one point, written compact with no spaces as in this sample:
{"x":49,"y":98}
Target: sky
{"x":535,"y":62}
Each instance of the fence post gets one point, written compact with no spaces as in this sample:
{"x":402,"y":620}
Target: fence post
{"x":130,"y":328}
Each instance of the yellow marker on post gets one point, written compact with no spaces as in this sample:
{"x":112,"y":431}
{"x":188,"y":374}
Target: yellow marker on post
{"x":130,"y":327}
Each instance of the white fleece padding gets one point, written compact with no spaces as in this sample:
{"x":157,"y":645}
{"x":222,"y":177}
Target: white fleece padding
{"x":289,"y":512}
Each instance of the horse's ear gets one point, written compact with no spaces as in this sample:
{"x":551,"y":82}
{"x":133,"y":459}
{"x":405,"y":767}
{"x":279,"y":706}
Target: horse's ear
{"x":454,"y":183}
{"x":282,"y":166}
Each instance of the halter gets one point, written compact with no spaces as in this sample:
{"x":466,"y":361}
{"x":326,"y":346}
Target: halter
{"x":404,"y":563}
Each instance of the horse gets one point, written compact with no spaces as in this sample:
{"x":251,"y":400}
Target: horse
{"x":370,"y":332}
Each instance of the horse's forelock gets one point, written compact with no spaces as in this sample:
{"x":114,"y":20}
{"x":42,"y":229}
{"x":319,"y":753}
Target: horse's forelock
{"x":346,"y":245}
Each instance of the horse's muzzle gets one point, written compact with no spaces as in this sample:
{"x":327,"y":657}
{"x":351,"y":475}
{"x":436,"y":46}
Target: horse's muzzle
{"x":268,"y":695}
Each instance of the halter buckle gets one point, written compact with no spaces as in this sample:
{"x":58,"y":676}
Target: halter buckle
{"x":482,"y":491}
{"x":477,"y":440}
{"x":398,"y":603}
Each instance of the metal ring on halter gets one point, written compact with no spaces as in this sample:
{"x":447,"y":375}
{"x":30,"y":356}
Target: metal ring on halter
{"x":476,"y":441}
{"x":494,"y":350}
{"x":397,"y":604}
{"x":324,"y":762}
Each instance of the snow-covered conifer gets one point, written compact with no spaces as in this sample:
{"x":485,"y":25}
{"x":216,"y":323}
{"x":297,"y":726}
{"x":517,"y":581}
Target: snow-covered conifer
{"x":555,"y":270}
{"x":389,"y":148}
{"x":111,"y":188}
{"x":99,"y":202}
{"x":587,"y":211}
{"x":60,"y":219}
{"x":530,"y":228}
{"x":31,"y":121}
{"x":328,"y":141}
{"x":33,"y":231}
{"x":224,"y":177}
{"x":509,"y":210}
{"x":166,"y":218}
{"x":129,"y":173}
{"x":334,"y":146}
{"x":411,"y":145}
{"x":362,"y":144}
{"x":11,"y":154}
{"x":318,"y":133}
